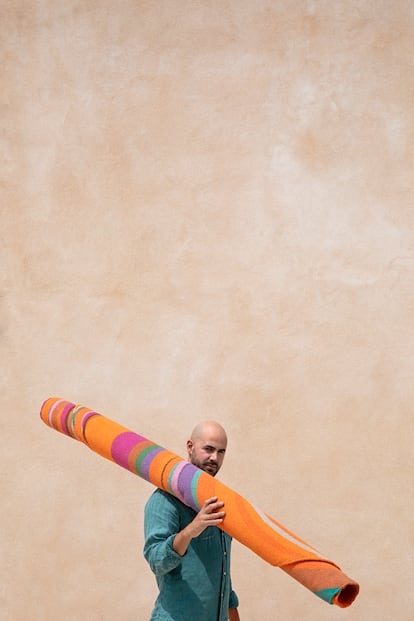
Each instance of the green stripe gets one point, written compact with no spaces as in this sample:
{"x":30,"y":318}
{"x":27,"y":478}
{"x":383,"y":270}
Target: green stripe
{"x":328,"y":594}
{"x":142,"y":455}
{"x":73,"y":419}
{"x":170,"y":478}
{"x":194,"y":483}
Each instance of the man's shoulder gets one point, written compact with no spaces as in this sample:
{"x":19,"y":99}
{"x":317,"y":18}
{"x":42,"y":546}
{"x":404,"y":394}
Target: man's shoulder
{"x":160,"y":498}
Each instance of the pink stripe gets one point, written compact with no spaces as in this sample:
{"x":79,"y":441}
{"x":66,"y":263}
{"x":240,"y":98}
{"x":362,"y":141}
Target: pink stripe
{"x":64,"y":416}
{"x":174,"y":480}
{"x":122,"y":446}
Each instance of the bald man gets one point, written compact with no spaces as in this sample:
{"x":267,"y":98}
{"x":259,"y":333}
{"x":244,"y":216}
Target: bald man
{"x":188,"y":554}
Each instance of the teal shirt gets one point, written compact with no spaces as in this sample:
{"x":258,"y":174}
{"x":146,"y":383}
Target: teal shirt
{"x":196,"y":585}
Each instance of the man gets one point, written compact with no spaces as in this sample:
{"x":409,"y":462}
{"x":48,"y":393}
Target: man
{"x":188,"y":554}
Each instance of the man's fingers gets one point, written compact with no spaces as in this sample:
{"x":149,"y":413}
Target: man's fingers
{"x":209,"y":501}
{"x":215,"y":517}
{"x":212,"y":504}
{"x":213,"y":513}
{"x":210,"y":511}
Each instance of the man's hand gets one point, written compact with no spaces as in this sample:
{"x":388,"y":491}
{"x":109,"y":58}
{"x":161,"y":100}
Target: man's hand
{"x":234,"y":614}
{"x":209,"y":515}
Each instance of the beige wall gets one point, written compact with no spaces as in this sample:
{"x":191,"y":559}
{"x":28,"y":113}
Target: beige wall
{"x":207,"y":210}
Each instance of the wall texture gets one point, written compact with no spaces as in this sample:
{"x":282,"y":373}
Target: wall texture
{"x":207,"y":211}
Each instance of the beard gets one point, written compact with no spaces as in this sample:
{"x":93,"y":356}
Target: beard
{"x":211,"y":467}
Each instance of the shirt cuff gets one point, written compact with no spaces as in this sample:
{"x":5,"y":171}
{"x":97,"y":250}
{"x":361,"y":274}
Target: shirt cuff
{"x":169,"y":544}
{"x":233,"y":600}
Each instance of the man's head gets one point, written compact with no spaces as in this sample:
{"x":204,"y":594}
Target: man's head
{"x":207,"y":446}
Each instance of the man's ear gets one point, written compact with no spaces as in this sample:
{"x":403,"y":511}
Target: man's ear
{"x":189,"y":447}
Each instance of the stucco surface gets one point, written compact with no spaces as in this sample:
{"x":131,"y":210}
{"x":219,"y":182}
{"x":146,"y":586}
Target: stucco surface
{"x":207,"y":211}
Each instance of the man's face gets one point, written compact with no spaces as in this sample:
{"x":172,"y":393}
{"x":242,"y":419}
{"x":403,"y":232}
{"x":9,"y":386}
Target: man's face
{"x":207,"y":451}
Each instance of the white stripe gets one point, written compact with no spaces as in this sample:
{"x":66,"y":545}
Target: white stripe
{"x":284,"y":534}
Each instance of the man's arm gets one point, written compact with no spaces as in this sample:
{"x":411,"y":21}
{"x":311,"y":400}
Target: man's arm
{"x":234,"y":614}
{"x":209,"y":515}
{"x":161,"y":522}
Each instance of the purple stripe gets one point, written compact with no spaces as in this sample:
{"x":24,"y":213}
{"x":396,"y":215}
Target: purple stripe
{"x":123,"y":445}
{"x":146,"y":462}
{"x":185,"y":480}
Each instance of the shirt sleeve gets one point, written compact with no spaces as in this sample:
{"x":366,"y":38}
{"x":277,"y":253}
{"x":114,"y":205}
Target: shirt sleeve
{"x":233,"y":600}
{"x":161,"y":524}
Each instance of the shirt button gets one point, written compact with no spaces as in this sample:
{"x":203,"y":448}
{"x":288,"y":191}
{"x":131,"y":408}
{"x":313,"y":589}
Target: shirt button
{"x":225,"y":574}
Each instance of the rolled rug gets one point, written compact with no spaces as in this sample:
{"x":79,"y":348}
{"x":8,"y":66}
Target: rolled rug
{"x":246,"y":523}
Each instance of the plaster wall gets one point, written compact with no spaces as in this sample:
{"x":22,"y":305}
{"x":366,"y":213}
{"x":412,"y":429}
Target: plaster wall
{"x":207,"y":212}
